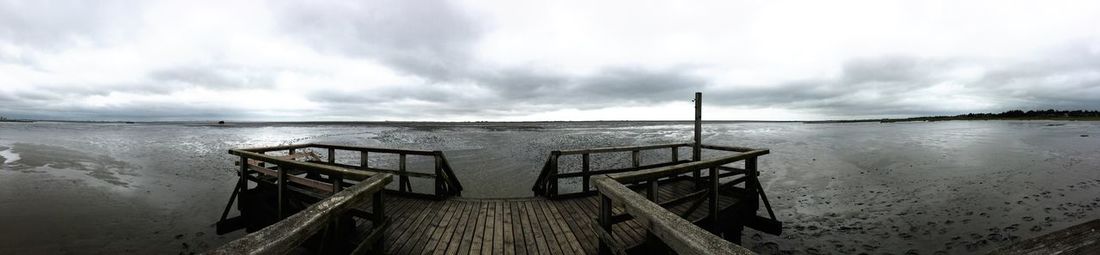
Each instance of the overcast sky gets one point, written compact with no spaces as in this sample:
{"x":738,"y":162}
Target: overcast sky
{"x":543,"y":60}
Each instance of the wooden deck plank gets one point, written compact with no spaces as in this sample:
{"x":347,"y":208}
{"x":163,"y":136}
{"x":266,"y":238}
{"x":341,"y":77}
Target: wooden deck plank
{"x":450,"y":209}
{"x":450,"y":240}
{"x":479,"y":229}
{"x":510,"y":226}
{"x":569,"y":239}
{"x":581,"y":224}
{"x":487,"y":243}
{"x":527,"y":229}
{"x":468,"y":232}
{"x":504,"y":236}
{"x":509,"y":241}
{"x":536,"y":229}
{"x":402,"y":219}
{"x":430,"y":227}
{"x":416,"y":229}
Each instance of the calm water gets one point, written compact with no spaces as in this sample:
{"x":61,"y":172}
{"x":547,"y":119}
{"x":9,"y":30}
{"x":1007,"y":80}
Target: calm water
{"x":945,"y":187}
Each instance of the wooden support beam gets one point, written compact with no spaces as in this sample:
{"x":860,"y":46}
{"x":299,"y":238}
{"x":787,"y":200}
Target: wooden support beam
{"x":651,"y":192}
{"x":364,"y":159}
{"x":403,"y":178}
{"x":282,"y":191}
{"x":675,"y":154}
{"x":635,"y":160}
{"x":331,"y":156}
{"x":713,"y":209}
{"x":585,"y":168}
{"x":439,"y":188}
{"x":605,"y":224}
{"x":553,"y":177}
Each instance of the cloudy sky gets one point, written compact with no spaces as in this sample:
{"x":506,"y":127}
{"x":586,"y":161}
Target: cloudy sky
{"x":543,"y":60}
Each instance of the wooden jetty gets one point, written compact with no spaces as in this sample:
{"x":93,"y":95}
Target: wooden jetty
{"x":294,"y":200}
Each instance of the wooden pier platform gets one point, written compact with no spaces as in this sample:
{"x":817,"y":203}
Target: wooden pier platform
{"x":302,"y":198}
{"x":514,"y":226}
{"x":294,"y":200}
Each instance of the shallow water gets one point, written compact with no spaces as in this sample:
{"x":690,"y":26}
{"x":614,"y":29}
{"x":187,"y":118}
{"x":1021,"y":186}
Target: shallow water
{"x":955,"y":187}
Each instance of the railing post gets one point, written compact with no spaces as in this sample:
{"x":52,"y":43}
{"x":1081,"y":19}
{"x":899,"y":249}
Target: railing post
{"x":379,"y":213}
{"x":552,"y":178}
{"x":439,"y":190}
{"x":651,"y":193}
{"x":605,"y":223}
{"x":696,"y":150}
{"x":714,"y":200}
{"x":675,"y":153}
{"x":242,"y":185}
{"x":752,"y":184}
{"x":363,"y":160}
{"x":337,"y":183}
{"x":331,"y":155}
{"x":282,"y":191}
{"x":403,"y":179}
{"x":585,"y":177}
{"x":335,"y":223}
{"x":635,"y":161}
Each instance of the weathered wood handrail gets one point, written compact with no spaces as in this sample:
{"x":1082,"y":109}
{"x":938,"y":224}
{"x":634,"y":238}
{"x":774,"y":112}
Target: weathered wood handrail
{"x":654,"y":173}
{"x":547,"y":182}
{"x":287,"y":234}
{"x":322,"y":168}
{"x":678,"y":233}
{"x":623,"y":148}
{"x":445,"y":181}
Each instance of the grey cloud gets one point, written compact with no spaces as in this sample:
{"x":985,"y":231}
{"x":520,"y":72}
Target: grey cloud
{"x":55,"y":24}
{"x":427,"y":38}
{"x":886,"y":83}
{"x":214,"y":76}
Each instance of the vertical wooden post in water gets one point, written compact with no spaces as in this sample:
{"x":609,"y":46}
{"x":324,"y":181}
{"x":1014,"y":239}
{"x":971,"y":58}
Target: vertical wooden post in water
{"x":696,"y":151}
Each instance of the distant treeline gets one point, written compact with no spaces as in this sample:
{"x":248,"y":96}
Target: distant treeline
{"x":1050,"y":114}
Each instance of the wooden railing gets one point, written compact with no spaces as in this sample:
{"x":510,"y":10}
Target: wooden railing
{"x":548,"y":182}
{"x":445,"y":182}
{"x":679,"y":234}
{"x":290,"y":232}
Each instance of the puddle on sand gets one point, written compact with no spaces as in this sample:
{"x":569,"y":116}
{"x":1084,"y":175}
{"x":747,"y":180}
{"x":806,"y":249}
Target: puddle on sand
{"x":35,"y":157}
{"x":7,"y":155}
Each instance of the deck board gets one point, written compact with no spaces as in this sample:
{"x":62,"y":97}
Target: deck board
{"x":511,"y":226}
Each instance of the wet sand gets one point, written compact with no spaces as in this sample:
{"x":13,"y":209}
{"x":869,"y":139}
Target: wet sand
{"x":956,"y":187}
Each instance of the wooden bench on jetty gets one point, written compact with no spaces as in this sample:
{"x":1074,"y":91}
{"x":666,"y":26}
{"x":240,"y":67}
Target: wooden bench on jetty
{"x":292,"y":200}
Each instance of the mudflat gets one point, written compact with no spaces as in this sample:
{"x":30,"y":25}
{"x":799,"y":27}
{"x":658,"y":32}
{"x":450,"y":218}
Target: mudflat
{"x":953,"y":187}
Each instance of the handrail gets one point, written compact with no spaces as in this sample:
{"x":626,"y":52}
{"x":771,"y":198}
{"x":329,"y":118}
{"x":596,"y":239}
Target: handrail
{"x":287,"y":234}
{"x":547,"y":182}
{"x":446,"y":183}
{"x":323,"y":168}
{"x":676,"y":232}
{"x":623,"y":148}
{"x":373,"y":149}
{"x":648,"y":174}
